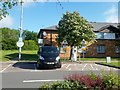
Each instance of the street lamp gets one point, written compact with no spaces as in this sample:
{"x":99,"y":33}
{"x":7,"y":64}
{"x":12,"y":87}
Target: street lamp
{"x":83,"y":46}
{"x":20,"y":42}
{"x":64,"y":43}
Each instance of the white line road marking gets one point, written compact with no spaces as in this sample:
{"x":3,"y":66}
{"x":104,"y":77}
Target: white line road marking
{"x":95,"y":66}
{"x":6,"y":68}
{"x":91,"y":66}
{"x":35,"y":67}
{"x":69,"y":69}
{"x":68,"y":66}
{"x":84,"y":67}
{"x":63,"y":65}
{"x":96,"y":69}
{"x":36,"y":70}
{"x":32,"y":81}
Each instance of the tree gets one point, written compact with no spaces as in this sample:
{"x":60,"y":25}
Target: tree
{"x":74,"y":28}
{"x":5,"y":5}
{"x":28,"y":35}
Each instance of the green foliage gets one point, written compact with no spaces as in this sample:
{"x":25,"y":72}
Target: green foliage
{"x":28,"y":35}
{"x":30,"y":45}
{"x":74,"y":29}
{"x":110,"y":80}
{"x":91,"y":81}
{"x":10,"y":37}
{"x":5,"y":5}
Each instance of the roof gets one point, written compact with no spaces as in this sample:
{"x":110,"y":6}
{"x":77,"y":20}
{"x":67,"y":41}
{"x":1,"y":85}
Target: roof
{"x":97,"y":26}
{"x":54,"y":27}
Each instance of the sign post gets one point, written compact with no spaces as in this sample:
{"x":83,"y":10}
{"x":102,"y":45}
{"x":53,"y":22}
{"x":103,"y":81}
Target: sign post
{"x":20,"y":43}
{"x":80,"y":51}
{"x":83,"y":46}
{"x":64,"y":43}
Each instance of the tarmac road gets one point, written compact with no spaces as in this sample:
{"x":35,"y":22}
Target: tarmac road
{"x":25,"y":74}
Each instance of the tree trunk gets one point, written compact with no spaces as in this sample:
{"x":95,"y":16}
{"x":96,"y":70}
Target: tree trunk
{"x":70,"y":58}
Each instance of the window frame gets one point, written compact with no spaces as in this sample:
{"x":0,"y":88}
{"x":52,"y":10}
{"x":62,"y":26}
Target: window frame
{"x":117,"y":48}
{"x":100,"y":49}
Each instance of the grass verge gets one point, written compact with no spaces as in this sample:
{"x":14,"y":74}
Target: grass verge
{"x":112,"y":64}
{"x":27,"y":55}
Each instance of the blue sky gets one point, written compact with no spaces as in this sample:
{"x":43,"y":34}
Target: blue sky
{"x":39,"y":15}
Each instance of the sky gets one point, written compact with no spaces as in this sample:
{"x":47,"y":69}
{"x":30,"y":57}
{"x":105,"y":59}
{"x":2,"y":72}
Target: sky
{"x":42,"y":14}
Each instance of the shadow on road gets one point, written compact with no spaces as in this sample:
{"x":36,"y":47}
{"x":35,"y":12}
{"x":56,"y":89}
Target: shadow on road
{"x":30,"y":65}
{"x":25,"y":65}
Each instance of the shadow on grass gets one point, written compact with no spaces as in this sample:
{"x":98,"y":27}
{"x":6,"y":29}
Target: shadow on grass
{"x":24,"y":57}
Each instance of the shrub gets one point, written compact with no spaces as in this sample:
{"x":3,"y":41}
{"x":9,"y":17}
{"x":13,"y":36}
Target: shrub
{"x":110,"y":80}
{"x":86,"y":82}
{"x":30,"y":45}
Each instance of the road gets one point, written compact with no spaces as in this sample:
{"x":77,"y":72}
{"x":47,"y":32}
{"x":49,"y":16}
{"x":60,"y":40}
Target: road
{"x":25,"y":74}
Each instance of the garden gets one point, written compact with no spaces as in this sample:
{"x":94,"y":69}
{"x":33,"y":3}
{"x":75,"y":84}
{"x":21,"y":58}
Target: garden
{"x":90,"y":81}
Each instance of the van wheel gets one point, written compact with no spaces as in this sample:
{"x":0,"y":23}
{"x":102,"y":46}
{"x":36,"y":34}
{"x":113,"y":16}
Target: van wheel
{"x":59,"y":65}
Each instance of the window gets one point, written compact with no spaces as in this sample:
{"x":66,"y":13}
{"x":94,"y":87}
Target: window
{"x":117,"y":48}
{"x":109,"y":35}
{"x":102,"y":35}
{"x":101,"y":49}
{"x":99,"y":35}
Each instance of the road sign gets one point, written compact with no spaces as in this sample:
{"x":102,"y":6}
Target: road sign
{"x":64,"y":42}
{"x":20,"y":43}
{"x":80,"y":50}
{"x":40,"y":41}
{"x":64,"y":46}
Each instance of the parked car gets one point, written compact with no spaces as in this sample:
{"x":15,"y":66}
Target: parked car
{"x":48,"y":56}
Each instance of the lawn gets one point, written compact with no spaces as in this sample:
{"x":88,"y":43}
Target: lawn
{"x":29,"y":55}
{"x":97,"y":59}
{"x":117,"y":63}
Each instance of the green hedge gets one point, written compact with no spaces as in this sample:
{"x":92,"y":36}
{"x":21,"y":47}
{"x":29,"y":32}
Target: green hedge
{"x":30,"y":45}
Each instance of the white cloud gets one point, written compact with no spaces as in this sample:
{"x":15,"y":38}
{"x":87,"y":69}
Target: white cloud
{"x":111,"y":15}
{"x":6,"y":22}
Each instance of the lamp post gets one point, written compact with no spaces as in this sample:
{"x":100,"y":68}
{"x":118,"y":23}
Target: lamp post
{"x":64,"y":43}
{"x":20,"y":42}
{"x":83,"y":46}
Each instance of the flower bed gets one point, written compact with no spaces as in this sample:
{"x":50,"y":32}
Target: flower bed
{"x":86,"y":82}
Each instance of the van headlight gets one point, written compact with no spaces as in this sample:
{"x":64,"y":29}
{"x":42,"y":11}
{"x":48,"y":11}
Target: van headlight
{"x":57,"y":58}
{"x":41,"y":58}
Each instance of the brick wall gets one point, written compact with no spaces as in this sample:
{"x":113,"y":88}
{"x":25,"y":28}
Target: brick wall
{"x":92,"y":50}
{"x":109,"y":49}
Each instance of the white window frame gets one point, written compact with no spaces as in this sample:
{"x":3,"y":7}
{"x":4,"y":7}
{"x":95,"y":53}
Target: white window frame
{"x":101,"y":49}
{"x":117,"y":49}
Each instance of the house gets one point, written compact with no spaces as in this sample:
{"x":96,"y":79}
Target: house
{"x":107,"y":37}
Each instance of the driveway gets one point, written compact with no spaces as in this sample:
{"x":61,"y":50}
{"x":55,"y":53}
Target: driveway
{"x":66,"y":66}
{"x":25,"y":75}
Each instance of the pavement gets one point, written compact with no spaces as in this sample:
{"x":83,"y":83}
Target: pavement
{"x":26,"y":75}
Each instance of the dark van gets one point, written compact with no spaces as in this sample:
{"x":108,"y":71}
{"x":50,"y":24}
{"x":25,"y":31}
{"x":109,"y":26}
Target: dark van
{"x":48,"y":56}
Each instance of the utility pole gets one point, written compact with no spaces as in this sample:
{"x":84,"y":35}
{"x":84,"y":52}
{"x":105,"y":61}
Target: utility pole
{"x":20,"y":41}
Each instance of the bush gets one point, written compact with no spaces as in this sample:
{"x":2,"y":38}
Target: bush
{"x":110,"y":80}
{"x":30,"y":45}
{"x":86,"y":82}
